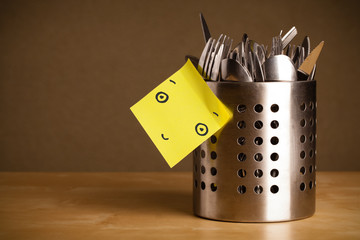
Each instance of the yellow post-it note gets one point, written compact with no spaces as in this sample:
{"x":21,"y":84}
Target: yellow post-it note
{"x":180,"y":114}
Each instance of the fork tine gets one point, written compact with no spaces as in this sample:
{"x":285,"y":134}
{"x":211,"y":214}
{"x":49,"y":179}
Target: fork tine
{"x":203,"y":56}
{"x":211,"y":61}
{"x":208,"y":58}
{"x":217,"y":60}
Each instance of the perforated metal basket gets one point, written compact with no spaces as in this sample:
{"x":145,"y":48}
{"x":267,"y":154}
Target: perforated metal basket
{"x":261,"y":166}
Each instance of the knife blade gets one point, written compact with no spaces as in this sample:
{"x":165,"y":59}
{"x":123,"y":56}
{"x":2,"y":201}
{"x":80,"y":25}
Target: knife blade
{"x":308,"y":65}
{"x":286,"y":39}
{"x":205,"y":28}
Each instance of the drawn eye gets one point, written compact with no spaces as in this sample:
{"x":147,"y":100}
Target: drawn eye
{"x":201,"y":129}
{"x":161,"y":97}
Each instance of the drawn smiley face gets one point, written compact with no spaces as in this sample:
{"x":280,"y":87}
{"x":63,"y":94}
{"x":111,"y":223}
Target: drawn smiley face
{"x":180,"y":114}
{"x":201,"y":129}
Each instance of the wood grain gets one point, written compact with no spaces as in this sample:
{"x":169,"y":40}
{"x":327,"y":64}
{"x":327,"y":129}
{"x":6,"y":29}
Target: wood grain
{"x":155,"y":206}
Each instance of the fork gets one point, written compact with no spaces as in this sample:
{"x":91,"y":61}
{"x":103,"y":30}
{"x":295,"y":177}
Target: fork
{"x":220,"y":51}
{"x":223,"y":53}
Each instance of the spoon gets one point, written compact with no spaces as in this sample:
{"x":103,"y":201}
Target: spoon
{"x":232,"y":70}
{"x":280,"y":68}
{"x":306,"y":45}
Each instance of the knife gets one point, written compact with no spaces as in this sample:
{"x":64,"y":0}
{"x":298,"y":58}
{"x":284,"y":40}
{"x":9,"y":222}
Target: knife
{"x":286,"y":39}
{"x":307,"y":66}
{"x":205,"y":28}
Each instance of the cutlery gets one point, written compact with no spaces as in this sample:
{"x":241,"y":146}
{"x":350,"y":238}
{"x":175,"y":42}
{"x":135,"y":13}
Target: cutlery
{"x":280,"y":68}
{"x":307,"y":66}
{"x":232,"y":70}
{"x":208,"y":57}
{"x":205,"y":28}
{"x":310,"y":61}
{"x":312,"y":74}
{"x":249,"y":61}
{"x":288,"y":37}
{"x":306,"y":45}
{"x":259,"y":74}
{"x":222,"y":53}
{"x":204,"y":55}
{"x":212,"y":58}
{"x":218,"y":57}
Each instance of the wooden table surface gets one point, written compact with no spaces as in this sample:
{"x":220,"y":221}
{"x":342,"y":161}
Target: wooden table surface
{"x":155,"y":206}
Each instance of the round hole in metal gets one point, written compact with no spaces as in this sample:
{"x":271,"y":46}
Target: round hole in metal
{"x":274,"y":140}
{"x":202,"y":185}
{"x":213,"y":171}
{"x":258,"y":108}
{"x":258,"y":157}
{"x":241,"y":157}
{"x":213,"y":155}
{"x":311,"y":105}
{"x":241,"y":173}
{"x":311,"y":122}
{"x":258,"y":124}
{"x":213,"y":139}
{"x":274,"y":188}
{"x":202,"y":169}
{"x":274,"y":108}
{"x":302,"y":138}
{"x":241,"y":140}
{"x":241,"y":108}
{"x":302,"y":122}
{"x":274,"y":156}
{"x":241,"y":189}
{"x":258,"y":141}
{"x":302,"y":170}
{"x":302,"y":107}
{"x":241,"y":124}
{"x":310,"y":169}
{"x":310,"y":184}
{"x":258,"y":173}
{"x":311,"y":153}
{"x":274,"y":172}
{"x":302,"y":154}
{"x":302,"y":186}
{"x":202,"y":153}
{"x":213,"y":187}
{"x":274,"y":124}
{"x":258,"y":189}
{"x":311,"y":137}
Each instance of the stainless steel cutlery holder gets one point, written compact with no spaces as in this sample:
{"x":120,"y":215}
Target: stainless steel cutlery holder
{"x":260,"y":167}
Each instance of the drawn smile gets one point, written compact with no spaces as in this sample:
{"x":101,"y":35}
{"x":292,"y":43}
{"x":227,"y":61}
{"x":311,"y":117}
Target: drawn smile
{"x":163,"y":137}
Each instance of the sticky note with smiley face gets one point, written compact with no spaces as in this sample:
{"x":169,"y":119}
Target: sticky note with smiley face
{"x":180,"y":114}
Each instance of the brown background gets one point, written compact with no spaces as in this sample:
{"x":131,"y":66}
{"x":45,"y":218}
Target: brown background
{"x":70,"y":70}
